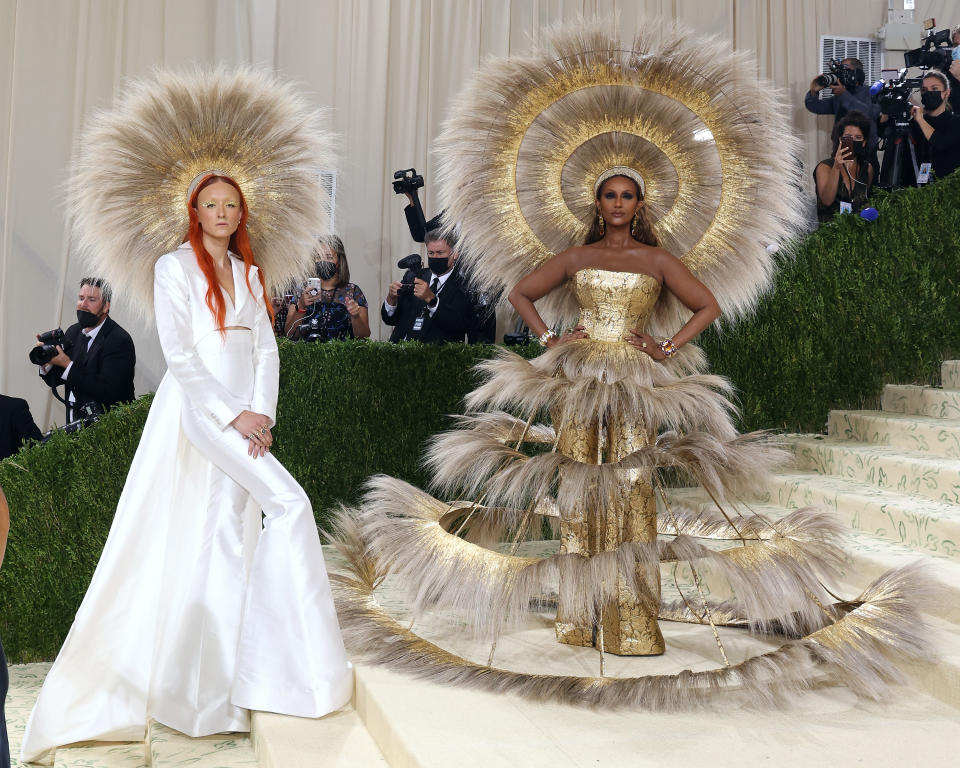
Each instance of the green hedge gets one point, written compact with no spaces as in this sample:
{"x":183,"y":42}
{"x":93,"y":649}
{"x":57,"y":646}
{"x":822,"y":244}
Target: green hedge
{"x":858,"y":305}
{"x":346,"y":410}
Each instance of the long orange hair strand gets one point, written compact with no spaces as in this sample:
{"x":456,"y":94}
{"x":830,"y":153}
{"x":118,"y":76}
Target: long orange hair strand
{"x":239,"y":244}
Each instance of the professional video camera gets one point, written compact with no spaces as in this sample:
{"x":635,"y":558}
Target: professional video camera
{"x":894,"y":98}
{"x":935,"y":51}
{"x":414,"y":265}
{"x":41,"y":355}
{"x":407,"y":182}
{"x":90,"y":413}
{"x":840,"y":75}
{"x":898,"y":147}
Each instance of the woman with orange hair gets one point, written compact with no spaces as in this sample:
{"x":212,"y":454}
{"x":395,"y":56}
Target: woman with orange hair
{"x":223,"y":605}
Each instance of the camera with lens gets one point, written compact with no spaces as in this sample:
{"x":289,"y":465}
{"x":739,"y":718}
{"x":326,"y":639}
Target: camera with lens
{"x":893,"y":97}
{"x":414,"y":265}
{"x":41,"y":355}
{"x":407,"y":182}
{"x":87,"y":414}
{"x":840,"y":75}
{"x":934,"y":52}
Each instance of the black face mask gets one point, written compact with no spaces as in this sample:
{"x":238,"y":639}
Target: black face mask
{"x":859,"y":149}
{"x":87,"y":319}
{"x":931,"y":99}
{"x":326,"y":269}
{"x":438,"y":264}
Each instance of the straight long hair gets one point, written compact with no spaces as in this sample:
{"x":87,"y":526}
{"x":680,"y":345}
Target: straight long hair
{"x":239,"y":244}
{"x":644,"y":232}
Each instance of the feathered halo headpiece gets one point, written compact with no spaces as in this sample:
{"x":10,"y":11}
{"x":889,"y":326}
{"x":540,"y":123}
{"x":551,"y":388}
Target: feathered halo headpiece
{"x":710,"y":143}
{"x":132,"y":176}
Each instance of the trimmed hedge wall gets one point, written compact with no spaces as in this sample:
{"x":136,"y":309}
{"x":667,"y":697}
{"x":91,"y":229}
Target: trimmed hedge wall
{"x":858,"y":305}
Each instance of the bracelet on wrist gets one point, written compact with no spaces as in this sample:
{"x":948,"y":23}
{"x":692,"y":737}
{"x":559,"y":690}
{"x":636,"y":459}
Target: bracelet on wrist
{"x":544,"y":337}
{"x":668,"y":348}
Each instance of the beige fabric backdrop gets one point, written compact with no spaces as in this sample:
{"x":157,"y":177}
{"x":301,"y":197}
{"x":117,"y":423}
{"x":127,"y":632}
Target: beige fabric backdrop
{"x":387,"y":68}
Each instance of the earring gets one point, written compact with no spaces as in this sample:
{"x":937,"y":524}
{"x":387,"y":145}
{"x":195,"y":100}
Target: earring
{"x":603,"y":224}
{"x":635,"y":224}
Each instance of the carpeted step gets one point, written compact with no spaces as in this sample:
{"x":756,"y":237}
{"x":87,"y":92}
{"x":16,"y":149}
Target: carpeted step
{"x":950,"y":374}
{"x":339,"y":740}
{"x":917,"y":434}
{"x":880,"y":466}
{"x":168,"y":748}
{"x":921,"y":401}
{"x":920,"y":523}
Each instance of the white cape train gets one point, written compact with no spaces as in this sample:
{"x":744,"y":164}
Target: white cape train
{"x":196,"y":612}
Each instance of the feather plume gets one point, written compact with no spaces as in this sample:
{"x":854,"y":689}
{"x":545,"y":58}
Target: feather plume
{"x":473,"y":462}
{"x":128,"y":182}
{"x":527,"y":138}
{"x":773,"y":575}
{"x":879,"y":637}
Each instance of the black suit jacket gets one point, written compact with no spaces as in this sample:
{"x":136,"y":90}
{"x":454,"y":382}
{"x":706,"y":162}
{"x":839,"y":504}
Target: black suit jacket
{"x":104,"y":374}
{"x":457,"y":316}
{"x":16,"y":425}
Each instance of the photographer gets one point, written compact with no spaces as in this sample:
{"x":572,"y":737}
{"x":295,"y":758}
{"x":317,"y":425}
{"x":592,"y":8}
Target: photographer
{"x":849,"y":93}
{"x":846,"y":176}
{"x":953,"y":73}
{"x":99,"y":362}
{"x":438,"y":307}
{"x":934,"y":126}
{"x":333,"y":308}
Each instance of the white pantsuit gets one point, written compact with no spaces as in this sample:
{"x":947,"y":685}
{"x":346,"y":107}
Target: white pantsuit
{"x":197,"y":611}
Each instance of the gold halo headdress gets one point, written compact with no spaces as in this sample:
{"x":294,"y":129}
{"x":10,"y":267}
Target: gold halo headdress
{"x":710,"y":144}
{"x":139,"y":161}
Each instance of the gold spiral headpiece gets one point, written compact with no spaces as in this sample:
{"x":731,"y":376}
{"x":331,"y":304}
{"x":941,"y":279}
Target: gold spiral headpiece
{"x":139,"y":162}
{"x":711,"y":144}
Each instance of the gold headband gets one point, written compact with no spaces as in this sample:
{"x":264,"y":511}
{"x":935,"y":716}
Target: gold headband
{"x":200,"y":177}
{"x":620,"y":170}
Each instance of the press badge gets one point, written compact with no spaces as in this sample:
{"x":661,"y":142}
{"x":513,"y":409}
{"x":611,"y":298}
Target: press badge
{"x":923,"y":175}
{"x":845,"y":207}
{"x":418,"y":324}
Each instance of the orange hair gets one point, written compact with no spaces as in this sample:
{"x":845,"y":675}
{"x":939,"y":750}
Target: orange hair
{"x":239,"y":244}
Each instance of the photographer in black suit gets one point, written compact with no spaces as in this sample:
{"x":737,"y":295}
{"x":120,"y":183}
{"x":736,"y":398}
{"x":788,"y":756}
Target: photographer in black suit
{"x":100,"y":363}
{"x":16,"y":425}
{"x":440,"y":308}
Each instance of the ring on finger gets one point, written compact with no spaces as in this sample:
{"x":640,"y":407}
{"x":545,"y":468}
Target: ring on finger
{"x":643,"y":344}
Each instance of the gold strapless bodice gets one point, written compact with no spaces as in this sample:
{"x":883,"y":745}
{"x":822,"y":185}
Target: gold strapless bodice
{"x":614,"y":303}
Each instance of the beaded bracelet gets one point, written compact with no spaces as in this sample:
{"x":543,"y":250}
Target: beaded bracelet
{"x":546,"y":336}
{"x":668,"y":348}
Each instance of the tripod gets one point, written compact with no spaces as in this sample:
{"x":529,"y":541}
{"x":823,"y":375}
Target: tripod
{"x":898,"y":145}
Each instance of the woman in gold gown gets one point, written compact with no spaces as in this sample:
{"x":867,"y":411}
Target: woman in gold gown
{"x":586,"y":129}
{"x":617,"y":275}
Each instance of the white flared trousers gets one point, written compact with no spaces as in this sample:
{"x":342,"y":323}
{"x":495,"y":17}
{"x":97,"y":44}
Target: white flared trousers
{"x":250,"y":621}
